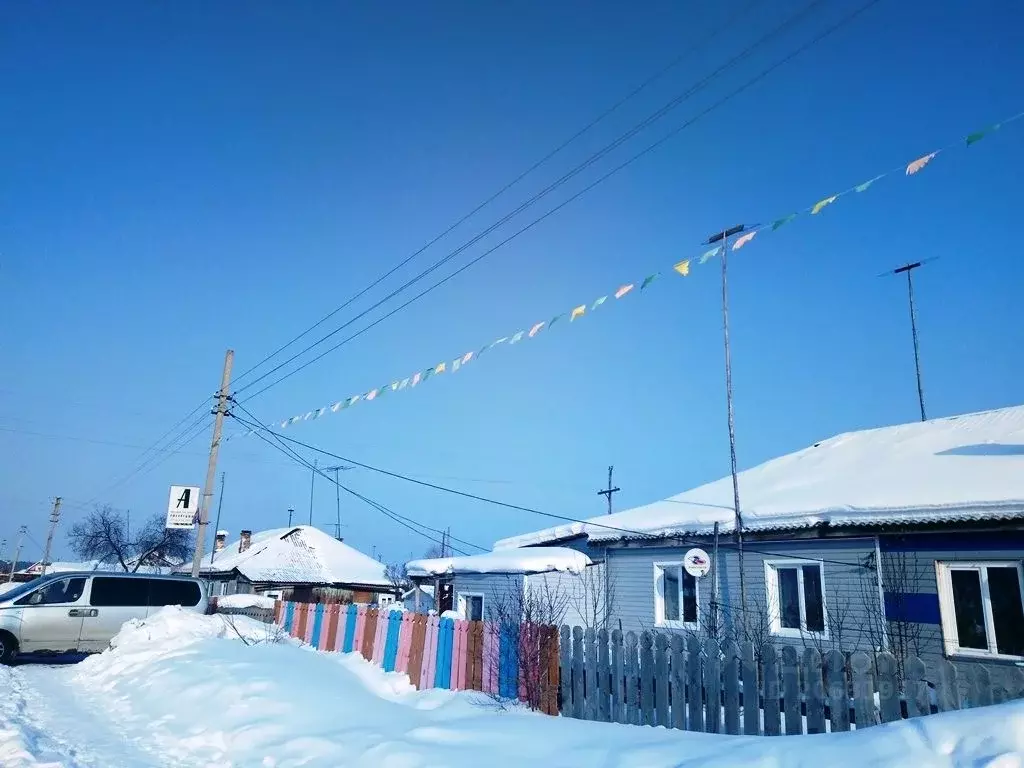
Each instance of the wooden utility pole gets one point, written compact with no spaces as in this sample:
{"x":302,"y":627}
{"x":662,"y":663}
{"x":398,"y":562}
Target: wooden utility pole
{"x":607,"y":493}
{"x":211,"y":466}
{"x":723,"y":238}
{"x":17,"y":552}
{"x":54,"y":519}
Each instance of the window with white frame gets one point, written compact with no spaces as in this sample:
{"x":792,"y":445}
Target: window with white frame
{"x":796,"y":601}
{"x":675,"y":597}
{"x":471,"y":605}
{"x":981,"y":606}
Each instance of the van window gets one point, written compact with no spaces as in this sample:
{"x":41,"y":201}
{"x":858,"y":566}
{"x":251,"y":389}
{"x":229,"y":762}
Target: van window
{"x":58,"y":592}
{"x":119,"y":592}
{"x":173,"y":592}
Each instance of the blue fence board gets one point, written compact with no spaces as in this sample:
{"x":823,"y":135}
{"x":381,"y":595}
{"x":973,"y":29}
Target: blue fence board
{"x":289,"y":616}
{"x":350,"y":629}
{"x":318,"y":619}
{"x":391,"y":644}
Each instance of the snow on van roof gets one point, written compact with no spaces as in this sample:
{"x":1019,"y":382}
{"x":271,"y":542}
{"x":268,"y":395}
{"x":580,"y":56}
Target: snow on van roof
{"x":968,"y":467}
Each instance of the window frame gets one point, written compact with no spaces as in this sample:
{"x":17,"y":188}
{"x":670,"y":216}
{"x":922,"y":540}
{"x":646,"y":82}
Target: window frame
{"x":771,"y":582}
{"x":659,"y":597}
{"x":947,"y":606}
{"x":483,"y":604}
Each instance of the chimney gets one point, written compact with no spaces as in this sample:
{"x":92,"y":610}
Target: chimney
{"x":220,"y":541}
{"x":245,"y":541}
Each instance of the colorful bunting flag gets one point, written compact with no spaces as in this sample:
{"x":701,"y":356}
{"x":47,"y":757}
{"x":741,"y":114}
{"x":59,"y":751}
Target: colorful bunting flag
{"x":710,"y":254}
{"x":284,"y":424}
{"x":403,"y":383}
{"x":456,"y":364}
{"x":394,"y":386}
{"x":416,"y":378}
{"x":683,"y":267}
{"x":555,"y":319}
{"x":741,"y":241}
{"x":979,"y":135}
{"x":517,"y":337}
{"x":308,"y":416}
{"x":920,"y":163}
{"x":783,"y":221}
{"x":496,"y":342}
{"x":578,"y":312}
{"x":439,"y":368}
{"x":535,"y":330}
{"x":864,"y":187}
{"x":467,"y":357}
{"x":598,"y":303}
{"x":648,"y":280}
{"x":623,"y":290}
{"x":371,"y":395}
{"x":336,"y":407}
{"x":320,"y":413}
{"x":822,"y":203}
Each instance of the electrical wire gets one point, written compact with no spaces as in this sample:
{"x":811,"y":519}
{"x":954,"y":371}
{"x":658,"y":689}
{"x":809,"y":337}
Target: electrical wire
{"x":731,"y":95}
{"x":258,"y":428}
{"x":703,"y":42}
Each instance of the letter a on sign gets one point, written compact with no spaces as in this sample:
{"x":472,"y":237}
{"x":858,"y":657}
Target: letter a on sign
{"x":182,"y":506}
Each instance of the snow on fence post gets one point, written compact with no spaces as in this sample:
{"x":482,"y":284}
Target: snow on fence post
{"x":618,"y":682}
{"x":791,"y":691}
{"x":918,"y":704}
{"x":579,"y":710}
{"x":604,"y":678}
{"x":646,"y":679}
{"x":770,"y":664}
{"x":751,"y":691}
{"x":565,"y":661}
{"x":695,"y":685}
{"x":947,"y":691}
{"x":838,"y":693}
{"x":731,"y":686}
{"x":713,"y":686}
{"x":632,"y":680}
{"x":863,"y":689}
{"x":662,"y":716}
{"x":677,"y":670}
{"x":814,"y":691}
{"x":887,"y":681}
{"x":590,"y":694}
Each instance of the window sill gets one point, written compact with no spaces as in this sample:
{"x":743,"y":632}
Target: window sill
{"x":668,"y":624}
{"x":798,"y":634}
{"x":985,"y":657}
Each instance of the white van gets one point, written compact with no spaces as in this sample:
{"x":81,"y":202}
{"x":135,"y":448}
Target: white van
{"x":81,"y":612}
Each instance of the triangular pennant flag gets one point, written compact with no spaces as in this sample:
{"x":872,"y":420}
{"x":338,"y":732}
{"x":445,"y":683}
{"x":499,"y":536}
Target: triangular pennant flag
{"x":383,"y":390}
{"x":822,"y":203}
{"x":979,"y":135}
{"x":371,"y":395}
{"x":482,"y":350}
{"x":920,"y":163}
{"x":496,"y":342}
{"x":683,"y":267}
{"x":863,"y":187}
{"x":308,"y":416}
{"x":284,"y":423}
{"x":456,"y":364}
{"x":337,"y":406}
{"x":439,"y":368}
{"x":710,"y":254}
{"x":648,"y":280}
{"x":598,"y":303}
{"x":296,"y":419}
{"x":354,"y":399}
{"x":320,"y":413}
{"x":578,"y":312}
{"x":403,"y":383}
{"x":394,"y":386}
{"x":783,"y":221}
{"x":623,"y":290}
{"x":555,"y":319}
{"x":416,"y":378}
{"x":535,"y":330}
{"x":518,"y":337}
{"x":467,"y":357}
{"x":741,"y":241}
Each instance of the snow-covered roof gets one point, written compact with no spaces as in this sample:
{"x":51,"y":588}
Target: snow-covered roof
{"x":533,"y":560}
{"x":88,"y":565}
{"x":960,"y":468}
{"x":426,"y":589}
{"x":298,"y":555}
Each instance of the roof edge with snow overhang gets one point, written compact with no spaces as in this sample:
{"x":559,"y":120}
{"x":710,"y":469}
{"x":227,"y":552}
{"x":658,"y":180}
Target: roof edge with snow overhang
{"x":509,"y":561}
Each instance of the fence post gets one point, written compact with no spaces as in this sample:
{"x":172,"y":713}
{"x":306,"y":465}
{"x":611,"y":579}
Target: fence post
{"x":751,"y":691}
{"x":838,"y":693}
{"x":947,"y":690}
{"x":419,"y":625}
{"x":918,"y":704}
{"x":590,"y":661}
{"x":565,"y":678}
{"x":632,"y":680}
{"x":646,"y":679}
{"x":863,"y":689}
{"x":603,"y":678}
{"x":677,"y":668}
{"x":695,"y":687}
{"x":1014,"y":681}
{"x":712,"y":686}
{"x":731,"y":686}
{"x":618,"y":689}
{"x":579,"y":710}
{"x":887,"y":682}
{"x":814,"y":691}
{"x":791,"y":691}
{"x":661,"y":680}
{"x":770,"y":662}
{"x":981,"y":687}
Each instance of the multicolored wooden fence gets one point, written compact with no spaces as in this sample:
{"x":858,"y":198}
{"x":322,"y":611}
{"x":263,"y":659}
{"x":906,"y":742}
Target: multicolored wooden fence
{"x":436,"y":652}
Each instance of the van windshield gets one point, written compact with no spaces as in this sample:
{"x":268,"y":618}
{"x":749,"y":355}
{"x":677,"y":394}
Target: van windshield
{"x":28,"y":586}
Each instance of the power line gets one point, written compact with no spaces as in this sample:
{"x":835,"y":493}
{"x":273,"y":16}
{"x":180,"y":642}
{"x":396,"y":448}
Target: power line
{"x":705,"y":39}
{"x":258,"y":429}
{"x":760,"y":76}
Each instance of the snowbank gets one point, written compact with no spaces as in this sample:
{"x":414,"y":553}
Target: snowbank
{"x":245,"y":601}
{"x":177,"y":684}
{"x":532,"y":560}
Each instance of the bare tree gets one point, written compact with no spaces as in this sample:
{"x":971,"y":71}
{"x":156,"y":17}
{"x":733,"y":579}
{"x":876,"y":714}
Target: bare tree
{"x":398,"y":577}
{"x":591,"y":596}
{"x":433,"y":551}
{"x":103,"y":535}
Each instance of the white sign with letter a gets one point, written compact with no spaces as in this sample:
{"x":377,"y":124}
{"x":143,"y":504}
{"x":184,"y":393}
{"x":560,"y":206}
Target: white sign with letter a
{"x":182,"y":506}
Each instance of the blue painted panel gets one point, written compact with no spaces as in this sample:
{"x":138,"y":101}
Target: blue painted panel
{"x":318,"y":618}
{"x":445,"y":636}
{"x":350,"y":629}
{"x":916,"y":607}
{"x":508,"y":663}
{"x":289,"y":616}
{"x":391,"y":644}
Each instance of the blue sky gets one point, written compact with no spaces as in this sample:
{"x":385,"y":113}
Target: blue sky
{"x":182,"y":178}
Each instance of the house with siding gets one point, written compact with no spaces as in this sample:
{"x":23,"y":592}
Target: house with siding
{"x":908,"y":538}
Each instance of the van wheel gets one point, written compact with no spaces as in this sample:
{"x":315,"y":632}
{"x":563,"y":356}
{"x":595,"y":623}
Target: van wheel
{"x":8,"y":648}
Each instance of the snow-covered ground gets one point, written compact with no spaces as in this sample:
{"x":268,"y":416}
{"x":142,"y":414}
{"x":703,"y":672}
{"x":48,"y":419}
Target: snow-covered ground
{"x":245,"y":601}
{"x":186,"y":690}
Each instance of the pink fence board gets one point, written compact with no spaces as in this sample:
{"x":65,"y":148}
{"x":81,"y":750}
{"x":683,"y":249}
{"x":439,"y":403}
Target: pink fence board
{"x":325,"y":627}
{"x":490,"y":658}
{"x":339,"y":638}
{"x":429,"y":653}
{"x":404,"y":643}
{"x":360,"y":625}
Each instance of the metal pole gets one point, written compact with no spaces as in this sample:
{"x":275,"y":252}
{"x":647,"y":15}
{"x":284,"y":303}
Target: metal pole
{"x":337,"y":501}
{"x":291,"y":511}
{"x":714,"y":586}
{"x":917,"y":354}
{"x":216,"y":527}
{"x":211,"y":465}
{"x":3,"y":548}
{"x":312,"y":482}
{"x":54,"y":519}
